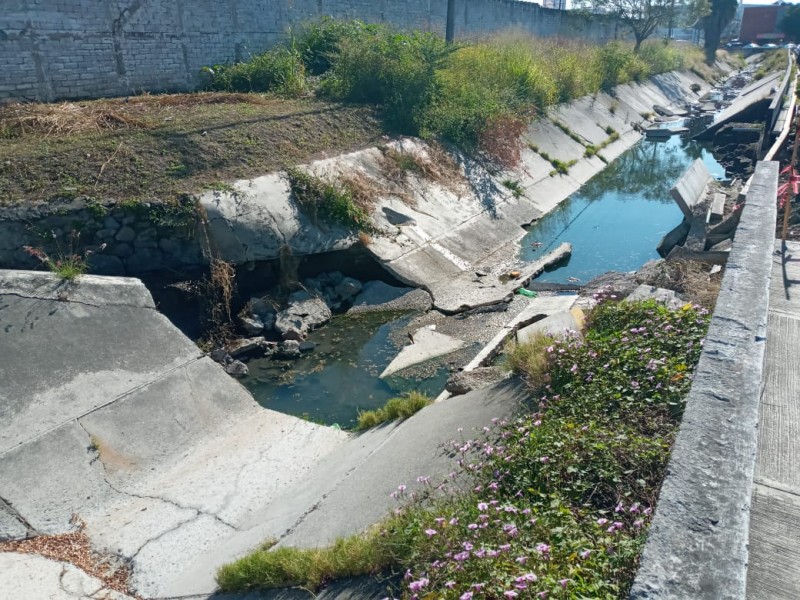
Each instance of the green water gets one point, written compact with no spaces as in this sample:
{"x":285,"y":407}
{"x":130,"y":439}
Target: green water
{"x":616,"y":220}
{"x":340,"y":377}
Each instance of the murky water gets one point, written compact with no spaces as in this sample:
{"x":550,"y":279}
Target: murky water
{"x":616,"y":220}
{"x":340,"y":377}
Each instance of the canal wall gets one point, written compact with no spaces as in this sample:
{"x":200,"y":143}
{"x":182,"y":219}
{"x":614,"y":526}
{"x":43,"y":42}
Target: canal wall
{"x":697,"y":546}
{"x":58,"y":49}
{"x":427,"y":233}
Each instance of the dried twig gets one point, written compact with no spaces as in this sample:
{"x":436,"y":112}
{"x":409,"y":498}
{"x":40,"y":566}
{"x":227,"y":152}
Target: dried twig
{"x":105,"y":164}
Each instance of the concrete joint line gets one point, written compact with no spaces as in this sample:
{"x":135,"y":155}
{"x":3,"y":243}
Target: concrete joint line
{"x":101,"y":406}
{"x":9,"y":508}
{"x":71,"y":301}
{"x":777,"y":486}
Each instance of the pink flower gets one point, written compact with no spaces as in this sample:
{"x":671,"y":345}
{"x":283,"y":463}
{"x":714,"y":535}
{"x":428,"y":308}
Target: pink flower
{"x":466,"y":596}
{"x":542,"y":548}
{"x":450,"y":584}
{"x":430,"y":532}
{"x":544,"y":459}
{"x":601,"y":521}
{"x":461,"y":556}
{"x":416,"y":586}
{"x":585,"y":554}
{"x":521,"y":559}
{"x":472,"y":526}
{"x":510,"y":594}
{"x":439,"y":520}
{"x":563,"y":583}
{"x":482,"y":506}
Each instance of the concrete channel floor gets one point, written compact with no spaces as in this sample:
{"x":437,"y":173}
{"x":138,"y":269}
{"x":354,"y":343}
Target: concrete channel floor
{"x":774,"y":564}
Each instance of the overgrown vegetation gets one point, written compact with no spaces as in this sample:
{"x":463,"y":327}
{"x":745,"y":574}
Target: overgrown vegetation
{"x":401,"y":408}
{"x":67,"y":264}
{"x":691,"y":279}
{"x":469,"y":94}
{"x":775,"y":60}
{"x":554,"y":503}
{"x":343,"y":202}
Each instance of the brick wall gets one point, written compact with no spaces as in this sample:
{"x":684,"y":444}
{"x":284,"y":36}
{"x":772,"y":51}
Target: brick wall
{"x":53,"y":49}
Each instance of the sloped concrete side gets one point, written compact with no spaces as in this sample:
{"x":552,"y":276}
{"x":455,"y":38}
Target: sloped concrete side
{"x":122,"y":422}
{"x":430,"y":234}
{"x":350,"y":489}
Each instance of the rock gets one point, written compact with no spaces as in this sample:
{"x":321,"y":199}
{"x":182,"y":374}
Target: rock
{"x":252,"y":325}
{"x":104,"y":264}
{"x":122,"y":250}
{"x":126,"y":234}
{"x":348,"y":288}
{"x":648,"y":292}
{"x":377,"y":296}
{"x":306,"y":346}
{"x":293,"y":335}
{"x":613,"y":282}
{"x":245,"y":346}
{"x":303,"y":314}
{"x":110,"y":223}
{"x":723,"y":246}
{"x":288,"y":349}
{"x":169,"y":245}
{"x":221,"y":356}
{"x":481,"y":377}
{"x":236,"y":368}
{"x":335,"y":278}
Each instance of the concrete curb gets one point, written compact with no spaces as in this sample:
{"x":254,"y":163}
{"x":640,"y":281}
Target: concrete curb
{"x":697,"y":545}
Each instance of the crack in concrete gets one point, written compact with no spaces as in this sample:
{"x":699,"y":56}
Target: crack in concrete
{"x":30,"y":530}
{"x":67,"y":300}
{"x":198,"y":512}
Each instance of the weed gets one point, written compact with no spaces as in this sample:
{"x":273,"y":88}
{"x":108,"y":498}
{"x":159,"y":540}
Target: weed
{"x":67,"y":265}
{"x":396,"y":408}
{"x":280,"y":69}
{"x":594,"y":150}
{"x":515,"y":187}
{"x":530,"y":359}
{"x":691,"y":279}
{"x":573,"y":136}
{"x":696,"y":87}
{"x":342,"y":203}
{"x":561,"y":167}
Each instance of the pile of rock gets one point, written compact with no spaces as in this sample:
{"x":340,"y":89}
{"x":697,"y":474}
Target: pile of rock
{"x":334,"y":288}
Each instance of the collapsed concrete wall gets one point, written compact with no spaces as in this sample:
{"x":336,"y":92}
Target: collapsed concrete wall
{"x":57,"y":49}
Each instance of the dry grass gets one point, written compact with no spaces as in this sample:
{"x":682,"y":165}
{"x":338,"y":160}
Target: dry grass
{"x":75,"y":548}
{"x":692,"y":279}
{"x":530,"y":360}
{"x":158,"y":148}
{"x":435,"y":164}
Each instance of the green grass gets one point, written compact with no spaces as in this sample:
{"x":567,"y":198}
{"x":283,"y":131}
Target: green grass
{"x":531,"y":359}
{"x":332,"y":202}
{"x":774,"y":60}
{"x":310,"y":569}
{"x":396,"y":408}
{"x":514,"y":186}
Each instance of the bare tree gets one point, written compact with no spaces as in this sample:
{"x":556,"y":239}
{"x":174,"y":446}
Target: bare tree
{"x":642,"y":17}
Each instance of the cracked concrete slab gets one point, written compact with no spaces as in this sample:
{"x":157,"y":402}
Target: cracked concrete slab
{"x":427,"y":344}
{"x":151,"y":444}
{"x":33,"y":577}
{"x":349,"y":490}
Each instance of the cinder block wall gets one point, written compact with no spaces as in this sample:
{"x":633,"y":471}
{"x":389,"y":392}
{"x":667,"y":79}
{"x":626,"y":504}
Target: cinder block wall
{"x":54,"y":49}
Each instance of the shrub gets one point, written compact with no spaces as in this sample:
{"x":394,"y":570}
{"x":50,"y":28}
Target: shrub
{"x":278,"y":70}
{"x":396,"y":408}
{"x":619,"y":64}
{"x":320,"y":41}
{"x":395,"y":70}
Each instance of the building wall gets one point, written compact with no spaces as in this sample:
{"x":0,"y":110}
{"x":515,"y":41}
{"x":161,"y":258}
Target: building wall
{"x":53,"y":49}
{"x":759,"y":24}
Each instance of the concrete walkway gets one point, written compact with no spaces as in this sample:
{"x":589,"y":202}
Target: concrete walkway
{"x":774,"y":566}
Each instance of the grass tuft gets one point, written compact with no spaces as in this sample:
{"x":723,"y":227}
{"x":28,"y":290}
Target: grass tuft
{"x":396,"y":408}
{"x":530,"y":360}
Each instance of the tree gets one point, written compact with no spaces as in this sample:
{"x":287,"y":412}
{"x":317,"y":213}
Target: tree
{"x":642,"y":17}
{"x":718,"y":13}
{"x":790,"y":23}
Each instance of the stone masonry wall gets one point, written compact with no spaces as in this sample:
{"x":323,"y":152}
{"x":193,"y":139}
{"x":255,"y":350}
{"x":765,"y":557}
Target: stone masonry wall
{"x":56,"y":49}
{"x":127,"y":239}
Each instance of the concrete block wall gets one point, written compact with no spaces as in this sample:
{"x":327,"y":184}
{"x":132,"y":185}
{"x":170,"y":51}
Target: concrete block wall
{"x":59,"y":49}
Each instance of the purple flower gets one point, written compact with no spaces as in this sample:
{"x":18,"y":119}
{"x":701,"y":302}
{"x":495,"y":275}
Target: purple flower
{"x":521,"y":559}
{"x":454,"y":521}
{"x":602,"y":521}
{"x":431,"y":532}
{"x":585,"y":554}
{"x":439,"y":520}
{"x":461,"y":556}
{"x":542,"y":548}
{"x":467,"y":546}
{"x":638,"y":523}
{"x":416,"y":586}
{"x":401,"y":488}
{"x":482,"y":506}
{"x":544,"y":459}
{"x":504,"y":547}
{"x":450,"y":584}
{"x":510,"y":594}
{"x":472,"y":526}
{"x":563,"y":583}
{"x":466,"y":596}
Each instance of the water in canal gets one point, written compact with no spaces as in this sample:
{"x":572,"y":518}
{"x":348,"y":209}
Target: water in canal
{"x":340,"y":377}
{"x":616,"y":220}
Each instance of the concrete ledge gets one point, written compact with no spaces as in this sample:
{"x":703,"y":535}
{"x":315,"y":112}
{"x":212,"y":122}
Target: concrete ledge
{"x":697,"y":545}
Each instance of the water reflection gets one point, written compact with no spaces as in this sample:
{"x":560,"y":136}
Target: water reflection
{"x":615,"y":221}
